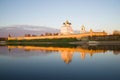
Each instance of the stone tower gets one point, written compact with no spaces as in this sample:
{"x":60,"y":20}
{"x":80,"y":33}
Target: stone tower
{"x":82,"y":30}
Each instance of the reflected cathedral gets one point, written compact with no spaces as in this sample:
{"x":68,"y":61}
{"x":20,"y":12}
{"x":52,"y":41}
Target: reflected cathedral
{"x":66,"y":53}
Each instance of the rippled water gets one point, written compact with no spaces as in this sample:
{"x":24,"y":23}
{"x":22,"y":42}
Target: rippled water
{"x":59,"y":63}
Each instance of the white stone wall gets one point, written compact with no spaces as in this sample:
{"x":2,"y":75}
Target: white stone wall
{"x":66,"y":30}
{"x":60,"y":36}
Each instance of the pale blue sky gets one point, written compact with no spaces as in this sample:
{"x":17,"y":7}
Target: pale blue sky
{"x":95,"y":14}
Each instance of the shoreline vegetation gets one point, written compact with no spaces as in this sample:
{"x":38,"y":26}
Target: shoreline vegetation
{"x":89,"y":40}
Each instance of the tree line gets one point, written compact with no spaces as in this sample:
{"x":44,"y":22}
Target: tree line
{"x":46,"y":34}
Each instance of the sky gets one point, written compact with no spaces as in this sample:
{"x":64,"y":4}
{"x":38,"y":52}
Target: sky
{"x":96,"y":14}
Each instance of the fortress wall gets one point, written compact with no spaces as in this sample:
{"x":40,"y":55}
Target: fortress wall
{"x":60,"y":36}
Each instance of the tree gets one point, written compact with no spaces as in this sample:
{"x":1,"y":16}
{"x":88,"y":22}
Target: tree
{"x":41,"y":35}
{"x":9,"y":35}
{"x":27,"y":35}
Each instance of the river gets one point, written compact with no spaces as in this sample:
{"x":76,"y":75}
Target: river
{"x":59,"y":63}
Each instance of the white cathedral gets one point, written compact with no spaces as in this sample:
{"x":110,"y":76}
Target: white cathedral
{"x":66,"y":28}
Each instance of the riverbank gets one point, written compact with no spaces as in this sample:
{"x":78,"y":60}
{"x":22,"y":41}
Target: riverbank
{"x":89,"y":40}
{"x":97,"y":42}
{"x":67,"y":43}
{"x":2,"y":43}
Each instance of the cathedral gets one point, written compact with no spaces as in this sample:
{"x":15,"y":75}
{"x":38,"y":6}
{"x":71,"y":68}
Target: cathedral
{"x":66,"y":29}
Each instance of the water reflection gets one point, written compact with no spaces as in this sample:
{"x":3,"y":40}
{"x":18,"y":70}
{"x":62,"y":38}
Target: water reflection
{"x":66,"y":53}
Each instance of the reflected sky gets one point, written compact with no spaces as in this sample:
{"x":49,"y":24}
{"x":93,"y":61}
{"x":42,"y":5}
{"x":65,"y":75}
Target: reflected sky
{"x":35,"y":62}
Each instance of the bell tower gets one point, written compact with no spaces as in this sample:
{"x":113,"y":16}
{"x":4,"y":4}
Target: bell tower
{"x":82,"y":30}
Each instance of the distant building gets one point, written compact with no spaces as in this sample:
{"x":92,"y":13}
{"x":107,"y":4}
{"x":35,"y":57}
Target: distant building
{"x":66,"y":29}
{"x":82,"y":30}
{"x":116,"y":32}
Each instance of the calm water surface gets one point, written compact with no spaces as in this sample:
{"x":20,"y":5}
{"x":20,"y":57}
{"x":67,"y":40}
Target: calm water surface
{"x":56,"y":63}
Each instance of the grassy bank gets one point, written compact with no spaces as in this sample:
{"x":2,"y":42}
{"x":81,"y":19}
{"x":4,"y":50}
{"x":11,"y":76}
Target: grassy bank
{"x":63,"y":42}
{"x":46,"y":40}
